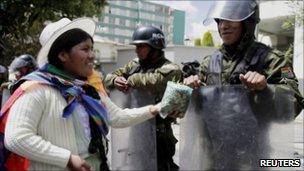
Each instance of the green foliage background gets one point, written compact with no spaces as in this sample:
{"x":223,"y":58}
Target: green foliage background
{"x":207,"y":39}
{"x":21,"y":22}
{"x":197,"y":42}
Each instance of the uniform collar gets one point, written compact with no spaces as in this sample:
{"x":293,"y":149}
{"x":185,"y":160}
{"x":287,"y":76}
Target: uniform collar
{"x":238,"y":51}
{"x":153,"y":64}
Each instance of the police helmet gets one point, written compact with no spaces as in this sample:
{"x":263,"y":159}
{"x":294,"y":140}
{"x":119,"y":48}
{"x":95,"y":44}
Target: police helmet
{"x":3,"y":74}
{"x":24,"y":60}
{"x":151,"y":35}
{"x":2,"y":70}
{"x":246,"y":11}
{"x":233,"y":11}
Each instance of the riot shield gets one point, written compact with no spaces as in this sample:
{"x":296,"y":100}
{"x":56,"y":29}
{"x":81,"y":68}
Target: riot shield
{"x":134,"y":148}
{"x":5,"y":95}
{"x":232,"y":128}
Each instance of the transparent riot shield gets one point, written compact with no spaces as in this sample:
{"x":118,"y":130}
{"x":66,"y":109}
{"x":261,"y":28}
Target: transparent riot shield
{"x":134,"y":148}
{"x":232,"y":128}
{"x":5,"y":95}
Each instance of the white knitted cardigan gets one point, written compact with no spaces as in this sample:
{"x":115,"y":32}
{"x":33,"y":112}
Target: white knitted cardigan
{"x":36,"y":129}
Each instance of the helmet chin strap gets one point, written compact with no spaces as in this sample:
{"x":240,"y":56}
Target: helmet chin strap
{"x":246,"y":36}
{"x":148,"y":62}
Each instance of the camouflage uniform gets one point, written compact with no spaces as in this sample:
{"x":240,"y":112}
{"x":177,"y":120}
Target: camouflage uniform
{"x":251,"y":56}
{"x":271,"y":63}
{"x":154,"y":79}
{"x":239,"y":55}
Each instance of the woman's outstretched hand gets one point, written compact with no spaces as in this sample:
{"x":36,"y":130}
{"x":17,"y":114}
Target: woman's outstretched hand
{"x":78,"y":164}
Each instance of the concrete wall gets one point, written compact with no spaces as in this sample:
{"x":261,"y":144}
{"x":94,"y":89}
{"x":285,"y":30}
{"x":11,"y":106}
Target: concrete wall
{"x":123,"y":57}
{"x":177,"y":54}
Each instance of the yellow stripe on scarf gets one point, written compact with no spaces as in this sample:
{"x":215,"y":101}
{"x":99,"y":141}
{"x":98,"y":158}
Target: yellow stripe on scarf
{"x":95,"y":81}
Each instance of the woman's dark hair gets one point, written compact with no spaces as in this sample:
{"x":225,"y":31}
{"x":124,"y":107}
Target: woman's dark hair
{"x":65,"y":42}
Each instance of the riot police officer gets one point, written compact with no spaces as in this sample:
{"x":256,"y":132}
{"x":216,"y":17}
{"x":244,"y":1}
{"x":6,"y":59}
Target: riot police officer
{"x":23,"y":65}
{"x":19,"y":67}
{"x":3,"y":79}
{"x":151,"y":71}
{"x":3,"y":74}
{"x":241,"y":59}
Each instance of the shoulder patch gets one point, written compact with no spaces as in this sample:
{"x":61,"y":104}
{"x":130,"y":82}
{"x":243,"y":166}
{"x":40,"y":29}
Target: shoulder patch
{"x":286,"y":72}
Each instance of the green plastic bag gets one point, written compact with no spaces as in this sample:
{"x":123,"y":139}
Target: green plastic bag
{"x":176,"y":98}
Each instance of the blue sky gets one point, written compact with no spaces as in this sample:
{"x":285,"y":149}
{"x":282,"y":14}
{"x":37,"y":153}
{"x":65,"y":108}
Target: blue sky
{"x":196,"y":11}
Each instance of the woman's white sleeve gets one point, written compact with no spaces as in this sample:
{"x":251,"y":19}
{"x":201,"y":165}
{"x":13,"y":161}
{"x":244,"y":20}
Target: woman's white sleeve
{"x":120,"y":118}
{"x":21,"y":131}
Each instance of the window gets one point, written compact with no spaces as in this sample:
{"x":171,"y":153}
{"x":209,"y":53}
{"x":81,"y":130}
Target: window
{"x":111,"y":30}
{"x":122,"y":22}
{"x":117,"y":21}
{"x":106,"y":19}
{"x":132,"y":24}
{"x":127,"y":13}
{"x":111,"y":20}
{"x":133,"y":4}
{"x":159,"y":9}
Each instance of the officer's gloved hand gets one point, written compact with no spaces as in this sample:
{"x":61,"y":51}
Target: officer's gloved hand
{"x":121,"y":84}
{"x":175,"y":100}
{"x":254,"y":80}
{"x":192,"y":81}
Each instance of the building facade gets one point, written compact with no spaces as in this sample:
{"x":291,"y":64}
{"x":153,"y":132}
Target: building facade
{"x":273,"y":14}
{"x":120,"y":19}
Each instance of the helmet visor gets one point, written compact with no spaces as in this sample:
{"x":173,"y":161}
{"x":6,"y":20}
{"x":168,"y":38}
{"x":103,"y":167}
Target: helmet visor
{"x":231,"y":10}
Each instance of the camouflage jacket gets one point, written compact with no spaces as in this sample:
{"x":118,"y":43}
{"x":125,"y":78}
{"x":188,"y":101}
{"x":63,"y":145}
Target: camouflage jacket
{"x":275,"y":66}
{"x":153,"y":79}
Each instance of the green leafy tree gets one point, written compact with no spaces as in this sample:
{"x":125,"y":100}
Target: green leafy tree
{"x":298,"y":13}
{"x":197,"y":42}
{"x":21,"y":22}
{"x":207,"y":39}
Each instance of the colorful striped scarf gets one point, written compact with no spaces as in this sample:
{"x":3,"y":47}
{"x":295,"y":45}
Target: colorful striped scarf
{"x":72,"y":91}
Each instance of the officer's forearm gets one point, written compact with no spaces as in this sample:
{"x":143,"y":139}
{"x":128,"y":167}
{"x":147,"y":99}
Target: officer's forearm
{"x":145,"y":81}
{"x":109,"y":81}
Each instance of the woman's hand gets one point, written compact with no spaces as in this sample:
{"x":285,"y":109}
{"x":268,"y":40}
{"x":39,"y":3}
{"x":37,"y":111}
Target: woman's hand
{"x":121,"y":84}
{"x":176,"y":114}
{"x":154,"y":109}
{"x":78,"y":164}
